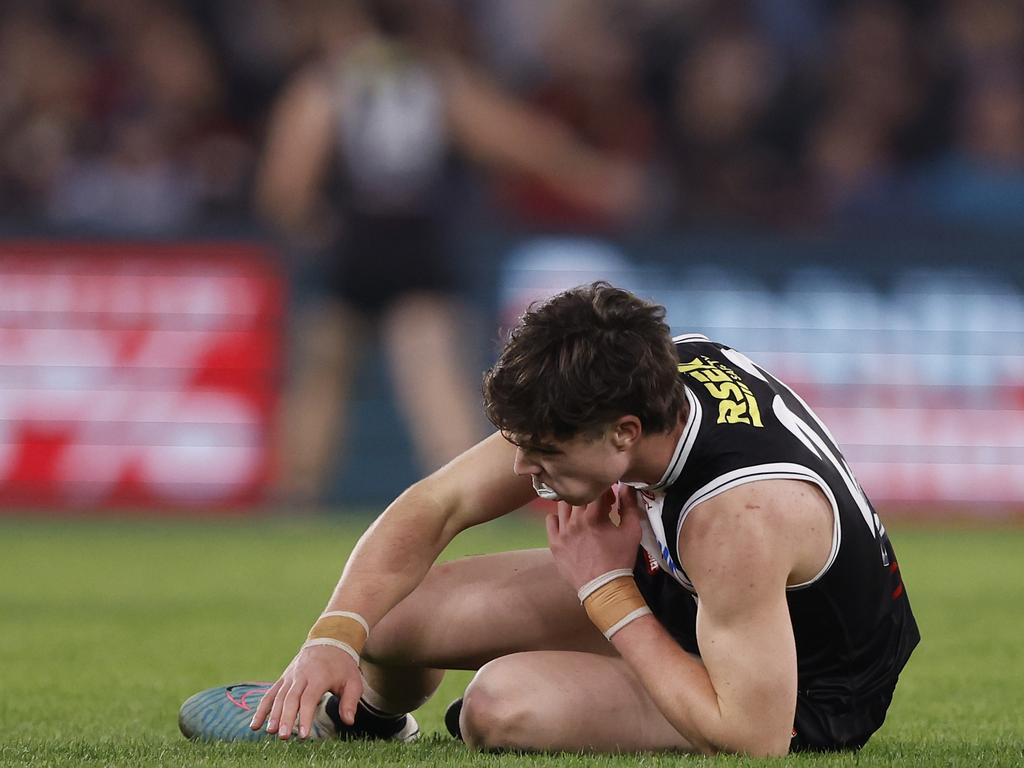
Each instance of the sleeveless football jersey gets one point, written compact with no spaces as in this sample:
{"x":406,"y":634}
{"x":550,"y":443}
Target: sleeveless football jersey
{"x":852,"y":621}
{"x":393,"y":131}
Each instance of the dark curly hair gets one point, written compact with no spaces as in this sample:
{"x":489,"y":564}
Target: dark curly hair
{"x":578,"y":361}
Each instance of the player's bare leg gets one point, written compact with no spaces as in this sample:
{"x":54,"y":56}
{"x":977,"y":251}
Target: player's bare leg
{"x":563,"y":700}
{"x":422,"y":334}
{"x":511,"y":609}
{"x":464,"y":614}
{"x":467,"y":613}
{"x":328,"y":339}
{"x":548,"y":679}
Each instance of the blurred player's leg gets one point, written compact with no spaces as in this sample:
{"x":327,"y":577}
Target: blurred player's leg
{"x":468,"y":612}
{"x":431,"y":378}
{"x":328,"y":344}
{"x":558,"y":700}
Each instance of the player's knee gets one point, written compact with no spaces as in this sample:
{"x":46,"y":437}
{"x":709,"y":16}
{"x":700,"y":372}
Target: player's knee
{"x":400,"y":634}
{"x":495,"y":711}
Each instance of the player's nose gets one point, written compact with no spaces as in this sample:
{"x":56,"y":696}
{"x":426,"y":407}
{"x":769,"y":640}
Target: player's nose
{"x":523,"y":466}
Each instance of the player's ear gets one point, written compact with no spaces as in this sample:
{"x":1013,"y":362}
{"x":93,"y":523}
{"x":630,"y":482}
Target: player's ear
{"x":626,"y":432}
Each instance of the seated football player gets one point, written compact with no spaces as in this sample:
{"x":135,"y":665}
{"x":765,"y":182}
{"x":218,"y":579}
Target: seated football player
{"x":716,"y":580}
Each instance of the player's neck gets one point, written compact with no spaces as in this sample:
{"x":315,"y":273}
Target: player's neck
{"x":654,"y":452}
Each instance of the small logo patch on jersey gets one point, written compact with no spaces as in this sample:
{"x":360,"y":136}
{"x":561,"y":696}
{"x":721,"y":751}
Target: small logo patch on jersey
{"x":652,"y":563}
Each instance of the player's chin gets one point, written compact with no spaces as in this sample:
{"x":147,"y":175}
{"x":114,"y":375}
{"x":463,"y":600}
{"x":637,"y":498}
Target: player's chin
{"x":577,"y":494}
{"x":582,"y":498}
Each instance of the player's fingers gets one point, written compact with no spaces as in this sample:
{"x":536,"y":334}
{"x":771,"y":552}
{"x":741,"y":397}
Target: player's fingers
{"x":290,"y":709}
{"x":308,"y":703}
{"x":597,"y":511}
{"x":630,"y":514}
{"x":275,"y":710}
{"x":349,"y":699}
{"x":564,"y":512}
{"x":263,"y":709}
{"x":551,"y":523}
{"x":607,"y":500}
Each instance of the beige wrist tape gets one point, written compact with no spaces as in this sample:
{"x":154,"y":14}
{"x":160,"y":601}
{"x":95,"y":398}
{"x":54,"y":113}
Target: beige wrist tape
{"x":612,"y":601}
{"x":344,"y":630}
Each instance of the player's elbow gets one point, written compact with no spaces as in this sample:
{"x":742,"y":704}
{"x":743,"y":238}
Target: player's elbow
{"x":775,"y":744}
{"x":284,"y":209}
{"x":750,"y":735}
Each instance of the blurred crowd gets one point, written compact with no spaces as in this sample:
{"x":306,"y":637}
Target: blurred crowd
{"x":154,"y":116}
{"x":361,"y":135}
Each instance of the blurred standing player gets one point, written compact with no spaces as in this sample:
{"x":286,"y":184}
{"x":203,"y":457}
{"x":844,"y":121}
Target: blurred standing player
{"x":750,"y":594}
{"x":389,"y":106}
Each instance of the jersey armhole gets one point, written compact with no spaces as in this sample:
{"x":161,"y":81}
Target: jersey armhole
{"x":781,"y":471}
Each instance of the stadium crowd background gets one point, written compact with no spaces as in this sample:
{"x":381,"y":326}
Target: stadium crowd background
{"x":760,"y":114}
{"x":148,"y":120}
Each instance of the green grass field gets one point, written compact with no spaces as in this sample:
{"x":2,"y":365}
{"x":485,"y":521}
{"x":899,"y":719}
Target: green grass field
{"x":105,"y":627}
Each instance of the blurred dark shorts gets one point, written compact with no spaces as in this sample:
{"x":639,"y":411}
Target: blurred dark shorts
{"x":384,"y":259}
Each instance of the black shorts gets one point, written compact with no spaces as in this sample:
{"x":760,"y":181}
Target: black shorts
{"x":384,"y":258}
{"x":816,"y":728}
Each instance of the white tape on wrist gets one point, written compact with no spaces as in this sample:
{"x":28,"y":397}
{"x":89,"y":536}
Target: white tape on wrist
{"x":629,"y":617}
{"x":348,"y":615}
{"x":595,"y":584}
{"x":338,"y":630}
{"x":334,"y":644}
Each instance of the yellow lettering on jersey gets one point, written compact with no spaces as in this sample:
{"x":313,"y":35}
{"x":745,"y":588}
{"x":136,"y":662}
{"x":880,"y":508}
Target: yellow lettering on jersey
{"x":732,"y":413}
{"x":693,"y":365}
{"x":737,"y":404}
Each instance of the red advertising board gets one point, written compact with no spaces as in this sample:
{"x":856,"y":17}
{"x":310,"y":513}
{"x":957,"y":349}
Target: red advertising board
{"x":137,"y":374}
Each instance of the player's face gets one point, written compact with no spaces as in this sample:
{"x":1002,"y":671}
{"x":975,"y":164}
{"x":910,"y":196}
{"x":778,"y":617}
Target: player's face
{"x":577,"y":470}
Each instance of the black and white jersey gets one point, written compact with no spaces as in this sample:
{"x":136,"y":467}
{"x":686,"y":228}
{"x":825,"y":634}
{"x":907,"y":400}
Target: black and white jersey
{"x":392,"y":129}
{"x":852,"y":621}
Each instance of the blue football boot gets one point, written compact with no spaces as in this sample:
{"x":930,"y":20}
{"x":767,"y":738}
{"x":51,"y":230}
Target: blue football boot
{"x":224,"y":714}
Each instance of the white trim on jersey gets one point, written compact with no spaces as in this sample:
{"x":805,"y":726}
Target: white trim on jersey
{"x":684,"y":337}
{"x":745,"y":363}
{"x":689,"y":435}
{"x":780,"y":471}
{"x":683,"y":446}
{"x":812,"y":440}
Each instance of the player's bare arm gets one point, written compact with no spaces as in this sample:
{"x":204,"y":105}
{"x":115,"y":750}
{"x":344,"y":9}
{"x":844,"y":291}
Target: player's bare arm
{"x":298,"y":147}
{"x":388,"y":562}
{"x":742,"y":696}
{"x":500,"y":131}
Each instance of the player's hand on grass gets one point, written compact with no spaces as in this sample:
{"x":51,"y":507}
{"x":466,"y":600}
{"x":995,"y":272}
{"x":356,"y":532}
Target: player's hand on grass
{"x":585,"y":541}
{"x":313,"y":672}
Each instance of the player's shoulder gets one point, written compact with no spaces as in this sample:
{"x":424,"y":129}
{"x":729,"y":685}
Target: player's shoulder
{"x":739,"y":540}
{"x":696,"y":348}
{"x":757,"y":522}
{"x":778,"y":502}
